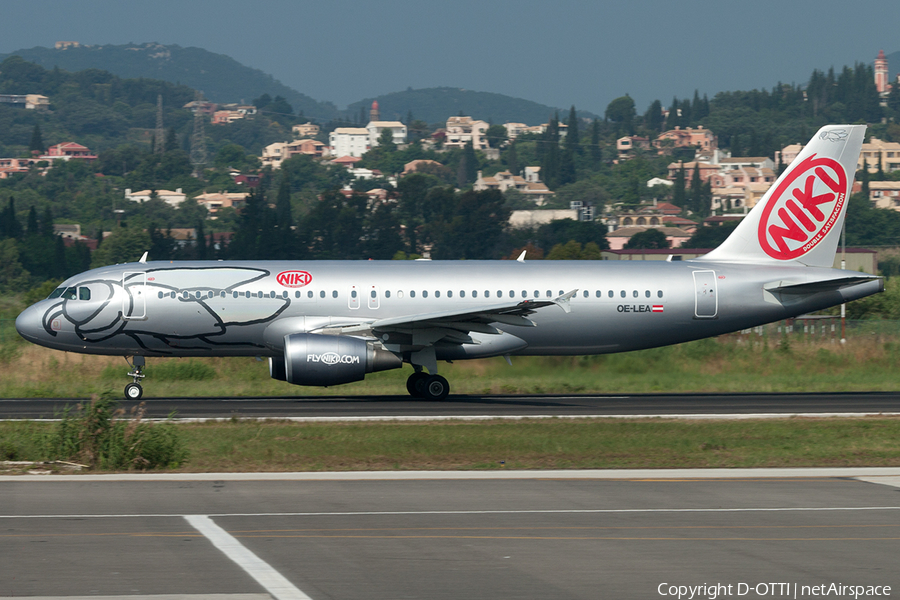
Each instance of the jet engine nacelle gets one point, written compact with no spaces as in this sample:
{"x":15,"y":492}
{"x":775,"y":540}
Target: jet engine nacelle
{"x":315,"y":359}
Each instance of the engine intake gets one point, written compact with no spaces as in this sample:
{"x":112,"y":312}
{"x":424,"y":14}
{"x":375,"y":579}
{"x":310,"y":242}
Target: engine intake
{"x":315,"y":359}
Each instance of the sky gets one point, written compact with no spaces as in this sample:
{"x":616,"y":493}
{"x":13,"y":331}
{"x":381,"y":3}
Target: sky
{"x":560,"y":53}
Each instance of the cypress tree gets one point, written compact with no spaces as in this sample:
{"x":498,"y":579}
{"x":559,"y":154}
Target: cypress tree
{"x":678,"y":192}
{"x":471,"y":162}
{"x":596,"y":151}
{"x":37,"y":140}
{"x":696,"y":201}
{"x":654,"y":116}
{"x":32,"y":226}
{"x":573,"y":137}
{"x":46,"y":228}
{"x":200,"y":242}
{"x":284,"y":220}
{"x":550,"y":162}
{"x":512,"y":159}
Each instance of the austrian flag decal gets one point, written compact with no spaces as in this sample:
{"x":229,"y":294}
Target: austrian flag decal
{"x":657,"y":308}
{"x":803,"y":209}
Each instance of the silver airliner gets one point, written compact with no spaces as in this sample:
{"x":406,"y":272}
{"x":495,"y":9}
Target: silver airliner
{"x":324,"y":323}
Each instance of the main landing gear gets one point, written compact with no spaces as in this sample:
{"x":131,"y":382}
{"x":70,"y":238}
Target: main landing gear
{"x":428,"y":387}
{"x":134,"y":391}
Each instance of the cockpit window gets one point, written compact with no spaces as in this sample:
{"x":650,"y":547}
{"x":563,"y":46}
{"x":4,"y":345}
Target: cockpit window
{"x":56,"y":293}
{"x":69,"y":294}
{"x":84,"y":293}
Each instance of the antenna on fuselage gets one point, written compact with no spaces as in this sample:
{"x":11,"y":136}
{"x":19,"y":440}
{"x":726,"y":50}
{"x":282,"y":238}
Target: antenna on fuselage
{"x":144,"y":258}
{"x":522,"y":256}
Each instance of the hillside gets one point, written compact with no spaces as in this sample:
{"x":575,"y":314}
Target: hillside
{"x":221,"y":78}
{"x":434,"y":105}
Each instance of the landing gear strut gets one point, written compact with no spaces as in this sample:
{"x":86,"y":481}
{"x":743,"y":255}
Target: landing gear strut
{"x":134,"y":391}
{"x":428,"y":387}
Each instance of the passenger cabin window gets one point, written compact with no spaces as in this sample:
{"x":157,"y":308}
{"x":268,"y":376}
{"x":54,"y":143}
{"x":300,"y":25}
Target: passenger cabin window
{"x":322,"y":294}
{"x":425,"y":293}
{"x":599,"y":293}
{"x":622,"y":293}
{"x":412,"y":293}
{"x":659,"y":294}
{"x":334,"y":294}
{"x":611,"y":294}
{"x":309,"y":294}
{"x":387,"y":293}
{"x":647,"y":294}
{"x":437,"y":294}
{"x":235,"y":294}
{"x":585,"y":293}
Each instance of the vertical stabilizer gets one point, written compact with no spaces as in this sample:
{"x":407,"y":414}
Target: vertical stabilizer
{"x":801,"y":216}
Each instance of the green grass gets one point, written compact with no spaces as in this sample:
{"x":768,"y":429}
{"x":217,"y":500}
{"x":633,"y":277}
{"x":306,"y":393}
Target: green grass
{"x":251,"y":446}
{"x":758,"y":361}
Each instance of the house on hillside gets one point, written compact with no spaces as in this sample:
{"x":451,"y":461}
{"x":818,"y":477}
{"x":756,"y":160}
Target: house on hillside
{"x":462,"y":130}
{"x":169,"y":197}
{"x":68,"y":151}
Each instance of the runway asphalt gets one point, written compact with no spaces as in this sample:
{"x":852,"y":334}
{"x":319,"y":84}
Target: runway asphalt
{"x":559,"y":535}
{"x":386,"y":407}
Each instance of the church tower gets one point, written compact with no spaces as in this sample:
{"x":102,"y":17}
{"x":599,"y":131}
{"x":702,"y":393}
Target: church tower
{"x":375,"y":116}
{"x":881,"y":73}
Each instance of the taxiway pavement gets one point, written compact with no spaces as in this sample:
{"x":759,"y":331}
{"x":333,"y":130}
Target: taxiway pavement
{"x":543,"y":534}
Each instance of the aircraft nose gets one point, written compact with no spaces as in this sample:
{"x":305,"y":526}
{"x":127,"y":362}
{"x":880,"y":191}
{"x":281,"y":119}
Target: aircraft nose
{"x":29,"y":324}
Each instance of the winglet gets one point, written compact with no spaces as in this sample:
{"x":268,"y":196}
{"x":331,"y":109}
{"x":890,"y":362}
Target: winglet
{"x":521,"y":256}
{"x":563,"y":301}
{"x":144,"y":258}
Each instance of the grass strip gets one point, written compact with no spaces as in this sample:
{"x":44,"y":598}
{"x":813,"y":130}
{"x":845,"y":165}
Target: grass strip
{"x":267,"y":446}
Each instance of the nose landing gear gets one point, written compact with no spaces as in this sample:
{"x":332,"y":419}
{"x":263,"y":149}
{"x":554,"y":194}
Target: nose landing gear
{"x":134,"y":391}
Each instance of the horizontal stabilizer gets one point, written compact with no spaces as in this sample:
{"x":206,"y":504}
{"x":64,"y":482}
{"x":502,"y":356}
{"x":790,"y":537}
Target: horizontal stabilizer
{"x":813,"y":287}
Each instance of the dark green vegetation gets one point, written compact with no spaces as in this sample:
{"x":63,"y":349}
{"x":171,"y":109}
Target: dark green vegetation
{"x":221,"y":78}
{"x":434,"y":105}
{"x":253,"y":446}
{"x":99,"y":435}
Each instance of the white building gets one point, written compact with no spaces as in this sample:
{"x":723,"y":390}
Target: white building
{"x":275,"y":154}
{"x":462,"y":130}
{"x":171,"y":198}
{"x":398,"y":131}
{"x":349,"y":141}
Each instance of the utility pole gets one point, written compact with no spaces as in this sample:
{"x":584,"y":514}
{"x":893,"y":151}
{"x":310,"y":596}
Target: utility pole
{"x":160,"y":136}
{"x":198,"y":140}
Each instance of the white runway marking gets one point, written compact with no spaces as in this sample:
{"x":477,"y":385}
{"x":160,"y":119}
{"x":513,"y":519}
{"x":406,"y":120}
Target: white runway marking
{"x":160,"y":597}
{"x":563,"y":511}
{"x":273,"y":581}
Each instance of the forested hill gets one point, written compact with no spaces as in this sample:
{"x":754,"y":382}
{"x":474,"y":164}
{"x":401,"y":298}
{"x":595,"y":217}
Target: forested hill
{"x":221,"y":78}
{"x":434,"y":105}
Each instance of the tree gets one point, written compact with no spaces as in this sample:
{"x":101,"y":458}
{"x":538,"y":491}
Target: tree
{"x":123,"y":245}
{"x":596,"y":150}
{"x":512,"y":159}
{"x":550,"y":150}
{"x":679,"y":197}
{"x":285,"y":241}
{"x":621,"y":112}
{"x":573,"y":139}
{"x":710,"y":237}
{"x":37,"y":140}
{"x":653,"y":119}
{"x":649,"y":238}
{"x":386,"y":140}
{"x":496,"y":136}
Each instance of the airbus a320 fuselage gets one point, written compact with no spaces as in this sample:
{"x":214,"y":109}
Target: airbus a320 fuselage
{"x":331,"y":322}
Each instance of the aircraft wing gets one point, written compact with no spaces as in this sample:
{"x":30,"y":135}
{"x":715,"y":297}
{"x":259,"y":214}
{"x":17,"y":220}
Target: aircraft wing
{"x":478,"y":319}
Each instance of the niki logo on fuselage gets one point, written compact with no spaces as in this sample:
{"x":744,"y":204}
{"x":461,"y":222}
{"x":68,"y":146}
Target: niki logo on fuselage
{"x":803,"y":208}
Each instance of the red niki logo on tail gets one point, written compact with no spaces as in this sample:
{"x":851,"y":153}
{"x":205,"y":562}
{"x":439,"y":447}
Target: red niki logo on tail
{"x":803,"y":208}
